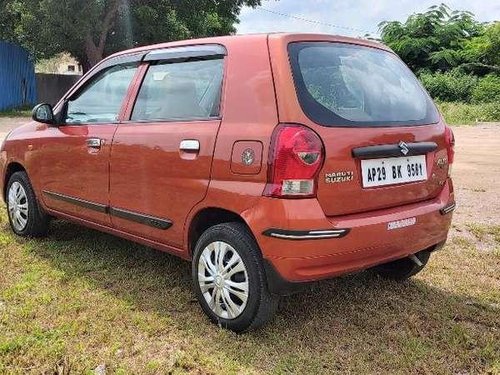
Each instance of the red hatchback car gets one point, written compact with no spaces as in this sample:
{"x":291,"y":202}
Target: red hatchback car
{"x":268,"y":161}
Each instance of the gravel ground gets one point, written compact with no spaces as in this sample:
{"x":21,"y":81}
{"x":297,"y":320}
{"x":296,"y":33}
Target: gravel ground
{"x":476,"y":174}
{"x":9,"y":123}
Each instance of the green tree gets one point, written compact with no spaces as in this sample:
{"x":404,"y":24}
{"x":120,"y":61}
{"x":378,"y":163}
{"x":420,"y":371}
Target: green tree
{"x":482,"y":53}
{"x":7,"y":27}
{"x":92,"y":29}
{"x":433,"y":40}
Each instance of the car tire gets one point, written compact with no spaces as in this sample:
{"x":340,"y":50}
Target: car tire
{"x":26,"y":217}
{"x":229,"y":278}
{"x":403,"y":269}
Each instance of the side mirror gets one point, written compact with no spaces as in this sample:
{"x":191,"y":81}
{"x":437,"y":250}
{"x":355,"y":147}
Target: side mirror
{"x":43,"y":113}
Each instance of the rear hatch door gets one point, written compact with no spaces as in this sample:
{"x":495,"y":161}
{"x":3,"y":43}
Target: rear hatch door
{"x":383,"y":137}
{"x":363,"y":171}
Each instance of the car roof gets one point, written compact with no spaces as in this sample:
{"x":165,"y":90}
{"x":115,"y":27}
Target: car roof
{"x":241,"y":39}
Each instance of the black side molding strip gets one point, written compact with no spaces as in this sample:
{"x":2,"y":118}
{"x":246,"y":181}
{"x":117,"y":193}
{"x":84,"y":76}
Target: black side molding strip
{"x":384,"y":151}
{"x":448,"y":208}
{"x":152,"y":221}
{"x":299,"y":235}
{"x":77,"y":201}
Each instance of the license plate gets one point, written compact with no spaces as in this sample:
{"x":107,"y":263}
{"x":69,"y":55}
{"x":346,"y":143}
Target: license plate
{"x":391,"y":171}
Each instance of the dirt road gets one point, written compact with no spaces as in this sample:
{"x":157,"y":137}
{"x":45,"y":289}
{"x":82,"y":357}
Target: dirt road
{"x":476,"y":171}
{"x":9,"y":123}
{"x":476,"y":174}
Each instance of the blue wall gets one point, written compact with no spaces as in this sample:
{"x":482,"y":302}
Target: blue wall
{"x":17,"y":77}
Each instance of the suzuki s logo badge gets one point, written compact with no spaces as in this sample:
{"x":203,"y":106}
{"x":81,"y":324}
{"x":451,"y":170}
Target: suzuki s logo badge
{"x":248,"y":156}
{"x":404,"y":148}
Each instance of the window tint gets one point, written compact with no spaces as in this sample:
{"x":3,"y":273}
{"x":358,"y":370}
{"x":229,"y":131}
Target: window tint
{"x":349,"y":85}
{"x":101,"y":100}
{"x":177,"y":91}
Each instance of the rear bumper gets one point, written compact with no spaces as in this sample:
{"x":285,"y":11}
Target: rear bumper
{"x":279,"y":285}
{"x":369,"y":239}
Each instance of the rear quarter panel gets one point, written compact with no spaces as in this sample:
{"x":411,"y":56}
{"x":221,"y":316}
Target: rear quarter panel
{"x":249,"y":113}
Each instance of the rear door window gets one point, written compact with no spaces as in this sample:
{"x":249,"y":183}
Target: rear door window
{"x":350,"y":85}
{"x":180,"y":91}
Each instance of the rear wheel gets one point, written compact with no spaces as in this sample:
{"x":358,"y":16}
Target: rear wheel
{"x":403,"y":269}
{"x":26,"y":217}
{"x":229,"y":279}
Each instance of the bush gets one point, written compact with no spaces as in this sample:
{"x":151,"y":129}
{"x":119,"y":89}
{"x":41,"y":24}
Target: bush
{"x":487,"y":90}
{"x":453,"y":86}
{"x":464,"y":114}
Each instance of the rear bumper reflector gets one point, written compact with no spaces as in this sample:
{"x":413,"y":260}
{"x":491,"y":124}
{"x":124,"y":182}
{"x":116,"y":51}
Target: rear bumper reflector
{"x":298,"y":235}
{"x":448,"y":208}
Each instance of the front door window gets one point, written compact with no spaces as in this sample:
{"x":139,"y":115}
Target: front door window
{"x":101,"y":100}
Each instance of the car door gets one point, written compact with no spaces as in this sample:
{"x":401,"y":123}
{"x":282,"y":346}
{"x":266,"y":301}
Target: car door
{"x":74,"y":166}
{"x":161,"y":158}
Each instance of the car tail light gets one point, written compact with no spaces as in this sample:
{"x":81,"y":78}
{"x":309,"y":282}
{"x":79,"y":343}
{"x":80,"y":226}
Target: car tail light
{"x":450,"y":146}
{"x":295,"y":160}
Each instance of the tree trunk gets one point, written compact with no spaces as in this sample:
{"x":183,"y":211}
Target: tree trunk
{"x":93,"y":54}
{"x":84,"y":63}
{"x":95,"y":51}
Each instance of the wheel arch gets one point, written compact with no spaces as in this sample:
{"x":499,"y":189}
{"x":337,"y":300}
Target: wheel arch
{"x":208,"y":217}
{"x":12,"y":168}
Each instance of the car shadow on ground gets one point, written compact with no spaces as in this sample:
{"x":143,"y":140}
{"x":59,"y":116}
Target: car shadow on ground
{"x":360,"y":315}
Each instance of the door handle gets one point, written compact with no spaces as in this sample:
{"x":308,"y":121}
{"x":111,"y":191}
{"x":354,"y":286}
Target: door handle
{"x":190,"y":145}
{"x":94,"y":142}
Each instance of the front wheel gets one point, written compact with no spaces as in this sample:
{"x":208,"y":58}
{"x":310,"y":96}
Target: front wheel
{"x":229,"y":279}
{"x":26,"y":217}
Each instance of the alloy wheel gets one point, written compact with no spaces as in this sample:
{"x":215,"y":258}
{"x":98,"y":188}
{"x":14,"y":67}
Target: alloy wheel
{"x":223,"y":280}
{"x":18,"y":206}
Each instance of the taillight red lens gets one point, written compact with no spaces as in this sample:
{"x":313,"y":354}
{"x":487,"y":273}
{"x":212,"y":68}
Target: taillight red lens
{"x":294,"y":162}
{"x":450,"y":144}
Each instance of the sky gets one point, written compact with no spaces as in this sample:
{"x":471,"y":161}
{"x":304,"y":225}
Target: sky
{"x":351,"y":18}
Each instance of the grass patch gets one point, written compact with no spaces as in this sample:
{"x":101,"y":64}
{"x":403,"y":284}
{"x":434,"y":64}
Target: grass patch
{"x":19,"y":112}
{"x":468,"y":114}
{"x":484,"y":232}
{"x":80,"y":299}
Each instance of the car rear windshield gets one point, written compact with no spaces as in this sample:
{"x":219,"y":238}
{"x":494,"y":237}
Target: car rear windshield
{"x":342,"y":84}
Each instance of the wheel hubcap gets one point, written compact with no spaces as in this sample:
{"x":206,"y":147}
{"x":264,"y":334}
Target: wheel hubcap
{"x":223,"y":280}
{"x":18,"y":206}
